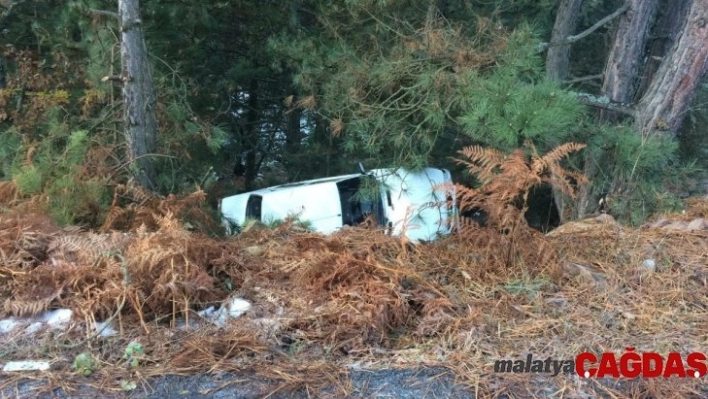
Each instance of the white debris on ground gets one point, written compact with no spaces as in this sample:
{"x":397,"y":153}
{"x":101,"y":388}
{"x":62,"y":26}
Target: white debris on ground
{"x":26,"y":365}
{"x":649,"y":265}
{"x":56,"y":319}
{"x":105,"y":330}
{"x":231,"y":309}
{"x":7,"y":325}
{"x":59,"y":319}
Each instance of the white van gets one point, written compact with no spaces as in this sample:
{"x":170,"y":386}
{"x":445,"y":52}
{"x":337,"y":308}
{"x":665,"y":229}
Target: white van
{"x":418,"y":203}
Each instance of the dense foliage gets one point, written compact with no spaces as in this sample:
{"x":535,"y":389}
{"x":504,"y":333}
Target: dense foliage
{"x":252,"y":93}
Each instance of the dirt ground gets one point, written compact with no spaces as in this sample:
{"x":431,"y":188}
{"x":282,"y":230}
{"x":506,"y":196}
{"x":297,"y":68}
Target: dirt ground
{"x":390,"y":383}
{"x":420,"y":383}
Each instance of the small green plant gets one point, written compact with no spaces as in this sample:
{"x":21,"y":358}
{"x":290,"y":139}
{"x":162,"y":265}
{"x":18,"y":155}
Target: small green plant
{"x":232,"y":226}
{"x":304,"y":224}
{"x":134,"y":352}
{"x":294,"y":219}
{"x":29,"y":180}
{"x":128,"y":385}
{"x":272,"y":222}
{"x":57,"y":166}
{"x":525,"y":286}
{"x":85,"y":364}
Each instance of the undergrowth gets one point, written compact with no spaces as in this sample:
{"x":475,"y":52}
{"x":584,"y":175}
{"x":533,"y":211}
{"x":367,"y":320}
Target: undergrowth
{"x":55,"y":169}
{"x":158,"y":256}
{"x":357,"y":296}
{"x":505,"y":181}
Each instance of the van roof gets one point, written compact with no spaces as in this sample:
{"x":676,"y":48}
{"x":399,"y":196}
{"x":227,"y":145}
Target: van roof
{"x":324,"y":180}
{"x":333,"y":179}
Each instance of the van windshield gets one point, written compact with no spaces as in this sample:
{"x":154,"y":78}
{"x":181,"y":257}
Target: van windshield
{"x":254,"y":207}
{"x":356,"y":206}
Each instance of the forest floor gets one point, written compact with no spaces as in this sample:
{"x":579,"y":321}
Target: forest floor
{"x":357,"y":313}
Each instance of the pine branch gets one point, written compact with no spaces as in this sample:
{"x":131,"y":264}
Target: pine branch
{"x":8,"y":5}
{"x":582,"y":35}
{"x":107,"y":13}
{"x":605,"y":102}
{"x":584,"y":78}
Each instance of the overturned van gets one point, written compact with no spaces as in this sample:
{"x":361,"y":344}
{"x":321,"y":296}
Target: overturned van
{"x":416,"y":203}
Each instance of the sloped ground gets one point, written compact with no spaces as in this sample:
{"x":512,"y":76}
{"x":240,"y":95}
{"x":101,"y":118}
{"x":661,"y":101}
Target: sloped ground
{"x":323,"y":306}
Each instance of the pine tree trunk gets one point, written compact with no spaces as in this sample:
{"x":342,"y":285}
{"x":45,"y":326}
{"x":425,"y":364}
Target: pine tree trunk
{"x":322,"y":141}
{"x":621,"y":80}
{"x":558,"y":56}
{"x":627,"y":53}
{"x":663,"y":107}
{"x":558,"y":67}
{"x":293,"y":140}
{"x":139,"y":115}
{"x":669,"y":25}
{"x":293,"y":132}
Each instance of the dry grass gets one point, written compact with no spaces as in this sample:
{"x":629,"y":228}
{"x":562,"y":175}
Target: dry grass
{"x":358,"y":297}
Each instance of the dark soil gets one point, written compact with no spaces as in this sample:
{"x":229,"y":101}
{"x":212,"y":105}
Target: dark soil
{"x":419,"y":383}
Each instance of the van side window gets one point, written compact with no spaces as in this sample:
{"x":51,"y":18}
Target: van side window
{"x":350,"y":207}
{"x":355,"y":209}
{"x":253,"y":207}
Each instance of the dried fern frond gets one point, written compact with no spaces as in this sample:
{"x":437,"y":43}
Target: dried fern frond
{"x":86,"y":249}
{"x":25,"y":308}
{"x":506,"y":180}
{"x":8,"y":193}
{"x":554,"y":157}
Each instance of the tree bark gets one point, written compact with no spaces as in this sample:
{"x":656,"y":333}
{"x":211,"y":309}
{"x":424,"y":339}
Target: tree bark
{"x":665,"y":104}
{"x":293,"y":132}
{"x":668,"y":28}
{"x":625,"y":59}
{"x":621,"y":78}
{"x":558,"y":57}
{"x":3,"y":72}
{"x":293,"y":141}
{"x":587,"y":32}
{"x":139,"y":114}
{"x":321,"y":140}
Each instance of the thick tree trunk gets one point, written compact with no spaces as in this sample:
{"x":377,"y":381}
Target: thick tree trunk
{"x":139,"y":98}
{"x":293,"y":132}
{"x":664,"y":105}
{"x":558,"y":57}
{"x":626,"y":56}
{"x":664,"y":36}
{"x":621,"y":79}
{"x":322,"y":141}
{"x":558,"y":66}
